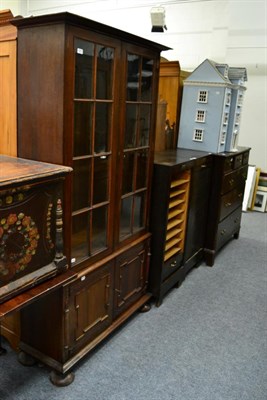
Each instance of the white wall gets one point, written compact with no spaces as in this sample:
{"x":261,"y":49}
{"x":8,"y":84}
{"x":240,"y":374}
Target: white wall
{"x":230,"y":31}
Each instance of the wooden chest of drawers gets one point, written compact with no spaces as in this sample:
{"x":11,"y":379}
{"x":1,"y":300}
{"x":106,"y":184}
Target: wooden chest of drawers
{"x":228,"y":183}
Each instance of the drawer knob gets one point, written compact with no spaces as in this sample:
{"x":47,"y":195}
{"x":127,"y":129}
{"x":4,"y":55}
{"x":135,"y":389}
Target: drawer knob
{"x":173,"y":264}
{"x":223,"y":232}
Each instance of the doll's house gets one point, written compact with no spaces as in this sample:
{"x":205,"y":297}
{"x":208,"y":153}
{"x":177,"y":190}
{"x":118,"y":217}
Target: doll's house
{"x":211,"y":107}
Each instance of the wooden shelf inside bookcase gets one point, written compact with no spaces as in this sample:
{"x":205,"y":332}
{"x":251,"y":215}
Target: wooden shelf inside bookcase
{"x":171,"y":243}
{"x":171,"y":253}
{"x":173,"y":223}
{"x":175,"y":213}
{"x":173,"y":232}
{"x":177,"y":192}
{"x":174,"y":203}
{"x":179,"y":182}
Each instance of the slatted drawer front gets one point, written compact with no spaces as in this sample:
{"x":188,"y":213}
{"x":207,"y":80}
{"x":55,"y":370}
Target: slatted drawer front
{"x":177,"y":211}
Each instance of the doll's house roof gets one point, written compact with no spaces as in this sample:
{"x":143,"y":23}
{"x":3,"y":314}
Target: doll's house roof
{"x":210,"y":71}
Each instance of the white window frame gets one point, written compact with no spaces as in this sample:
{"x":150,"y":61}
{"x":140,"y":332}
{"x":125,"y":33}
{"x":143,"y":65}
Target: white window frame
{"x":225,"y":118}
{"x":237,"y":119}
{"x":202,"y":96}
{"x":198,"y":135}
{"x":240,"y":100}
{"x":228,"y":98}
{"x":223,"y":137}
{"x":200,"y":113}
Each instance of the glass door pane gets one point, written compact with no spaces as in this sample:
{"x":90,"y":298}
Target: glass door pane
{"x":80,"y":236}
{"x":131,"y":126}
{"x":145,"y":116}
{"x":133,"y":81}
{"x":104,"y":83}
{"x":147,"y":75}
{"x":101,"y":175}
{"x":99,"y":229}
{"x":84,"y":56}
{"x":141,"y":169}
{"x":128,"y":173}
{"x":126,"y":216}
{"x":139,"y":211}
{"x":83,"y":117}
{"x":102,"y":127}
{"x":81,"y":184}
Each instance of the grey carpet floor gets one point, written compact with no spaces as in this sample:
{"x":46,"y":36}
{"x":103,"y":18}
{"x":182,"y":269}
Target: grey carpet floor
{"x":206,"y":342}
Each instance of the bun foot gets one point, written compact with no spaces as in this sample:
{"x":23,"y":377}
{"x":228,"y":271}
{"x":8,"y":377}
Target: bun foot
{"x":61,"y":379}
{"x":26,"y":359}
{"x":2,"y":351}
{"x":146,"y":307}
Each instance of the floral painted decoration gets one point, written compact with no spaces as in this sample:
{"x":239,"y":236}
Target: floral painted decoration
{"x":16,"y":260}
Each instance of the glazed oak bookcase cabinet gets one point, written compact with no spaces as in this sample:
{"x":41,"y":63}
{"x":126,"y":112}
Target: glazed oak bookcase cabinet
{"x":86,"y":99}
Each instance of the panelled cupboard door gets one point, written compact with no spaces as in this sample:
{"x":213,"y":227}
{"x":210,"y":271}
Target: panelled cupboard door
{"x":131,"y":276}
{"x":90,"y":307}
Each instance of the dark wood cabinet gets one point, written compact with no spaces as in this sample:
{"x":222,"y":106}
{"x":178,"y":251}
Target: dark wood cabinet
{"x":228,"y":183}
{"x":180,"y":199}
{"x":87,"y":99}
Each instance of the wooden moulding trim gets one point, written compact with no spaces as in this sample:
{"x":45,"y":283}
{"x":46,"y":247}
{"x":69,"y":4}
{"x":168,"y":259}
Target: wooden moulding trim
{"x":170,"y":68}
{"x":7,"y":30}
{"x":5,"y":17}
{"x":76,"y":20}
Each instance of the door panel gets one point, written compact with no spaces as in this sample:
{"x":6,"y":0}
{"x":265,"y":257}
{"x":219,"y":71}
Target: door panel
{"x":131,"y":270}
{"x":90,"y":305}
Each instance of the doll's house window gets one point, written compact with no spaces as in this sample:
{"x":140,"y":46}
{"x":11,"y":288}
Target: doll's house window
{"x":198,"y":135}
{"x":202,"y":96}
{"x":200,"y":116}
